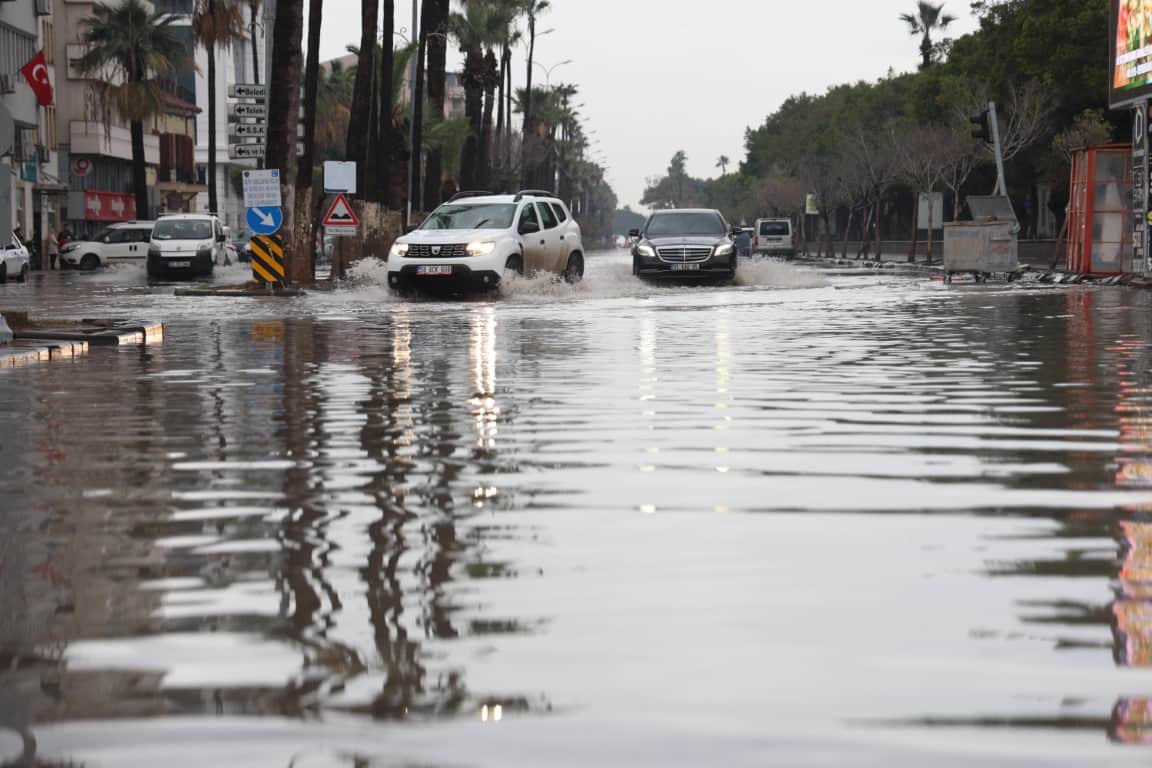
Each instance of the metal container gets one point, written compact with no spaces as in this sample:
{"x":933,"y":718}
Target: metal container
{"x":986,"y":245}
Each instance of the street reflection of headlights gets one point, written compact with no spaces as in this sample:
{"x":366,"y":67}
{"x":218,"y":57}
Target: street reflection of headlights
{"x":480,"y":249}
{"x":724,"y":249}
{"x":646,"y":251}
{"x":400,"y":249}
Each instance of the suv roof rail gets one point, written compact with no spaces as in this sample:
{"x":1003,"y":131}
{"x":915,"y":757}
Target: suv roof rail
{"x":532,"y":193}
{"x":474,"y":193}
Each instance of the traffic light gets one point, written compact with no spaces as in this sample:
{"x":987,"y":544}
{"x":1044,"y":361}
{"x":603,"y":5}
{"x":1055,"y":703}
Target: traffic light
{"x":981,"y":129}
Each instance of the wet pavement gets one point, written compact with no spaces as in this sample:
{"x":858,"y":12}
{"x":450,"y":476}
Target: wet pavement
{"x":832,"y":519}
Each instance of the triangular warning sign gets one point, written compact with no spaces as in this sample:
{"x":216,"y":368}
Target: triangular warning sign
{"x":340,"y":214}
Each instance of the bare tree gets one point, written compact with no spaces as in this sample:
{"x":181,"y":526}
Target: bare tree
{"x":960,"y":156}
{"x":1087,"y":130}
{"x":922,"y":164}
{"x":877,"y":151}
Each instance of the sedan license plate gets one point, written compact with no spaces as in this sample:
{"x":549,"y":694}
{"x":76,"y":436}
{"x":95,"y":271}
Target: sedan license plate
{"x":179,"y":264}
{"x":435,"y":269}
{"x":685,"y":267}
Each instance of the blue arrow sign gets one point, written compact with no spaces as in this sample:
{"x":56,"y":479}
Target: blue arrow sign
{"x":265,"y":221}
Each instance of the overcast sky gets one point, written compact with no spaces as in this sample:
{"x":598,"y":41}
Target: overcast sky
{"x":657,"y":76}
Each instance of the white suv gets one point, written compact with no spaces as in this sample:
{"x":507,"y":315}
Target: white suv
{"x":186,"y":245}
{"x":126,"y":241}
{"x":474,"y":238}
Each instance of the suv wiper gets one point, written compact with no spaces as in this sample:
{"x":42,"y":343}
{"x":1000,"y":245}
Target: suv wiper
{"x":480,"y":223}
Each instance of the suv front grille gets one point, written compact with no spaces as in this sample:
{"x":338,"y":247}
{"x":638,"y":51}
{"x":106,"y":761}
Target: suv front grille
{"x":683,"y":254}
{"x":453,"y":251}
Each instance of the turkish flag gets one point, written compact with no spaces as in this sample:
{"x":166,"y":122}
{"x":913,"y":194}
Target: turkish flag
{"x":36,"y":73}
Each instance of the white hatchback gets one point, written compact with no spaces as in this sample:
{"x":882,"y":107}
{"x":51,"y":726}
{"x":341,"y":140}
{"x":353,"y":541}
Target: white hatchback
{"x":126,"y":241}
{"x":14,"y":261}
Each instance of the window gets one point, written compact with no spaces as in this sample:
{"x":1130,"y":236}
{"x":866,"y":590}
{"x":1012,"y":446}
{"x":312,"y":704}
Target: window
{"x":680,"y":224}
{"x":48,"y":33}
{"x":561,"y":214}
{"x":50,"y":139}
{"x":16,"y":48}
{"x":529,"y":215}
{"x":775,"y":228}
{"x":138,"y":235}
{"x":471,"y":216}
{"x":547,"y":215}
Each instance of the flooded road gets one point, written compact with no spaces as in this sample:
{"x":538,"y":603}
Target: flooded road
{"x":824,"y":518}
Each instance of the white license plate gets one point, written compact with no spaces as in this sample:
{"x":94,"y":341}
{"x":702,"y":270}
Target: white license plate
{"x":179,"y":264}
{"x":436,"y":269}
{"x":685,"y":267}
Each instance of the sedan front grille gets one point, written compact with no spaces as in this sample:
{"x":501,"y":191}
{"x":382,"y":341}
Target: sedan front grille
{"x":453,"y":251}
{"x":681,"y":254}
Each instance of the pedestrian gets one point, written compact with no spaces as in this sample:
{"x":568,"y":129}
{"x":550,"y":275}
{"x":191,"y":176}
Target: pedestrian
{"x":65,"y":237}
{"x":18,"y":233}
{"x":53,"y":249}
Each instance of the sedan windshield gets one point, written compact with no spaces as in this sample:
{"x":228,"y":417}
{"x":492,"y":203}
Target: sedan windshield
{"x":685,"y":225}
{"x":474,"y":216}
{"x":182,"y":229}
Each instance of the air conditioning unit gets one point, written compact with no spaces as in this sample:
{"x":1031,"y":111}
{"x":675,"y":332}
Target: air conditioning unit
{"x":7,"y":83}
{"x":43,"y":154}
{"x":43,"y":7}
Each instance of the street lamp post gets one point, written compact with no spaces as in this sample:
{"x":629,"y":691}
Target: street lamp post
{"x":548,"y":70}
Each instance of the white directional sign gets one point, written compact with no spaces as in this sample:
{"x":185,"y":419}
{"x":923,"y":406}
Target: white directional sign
{"x":248,"y":129}
{"x":247,"y":91}
{"x":261,"y":188}
{"x":252,"y":151}
{"x":247,"y":110}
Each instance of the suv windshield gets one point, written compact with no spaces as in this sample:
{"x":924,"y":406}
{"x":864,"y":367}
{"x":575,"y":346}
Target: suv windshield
{"x":774,"y":229}
{"x":475,"y":216}
{"x":182,"y":229}
{"x":697,"y":223}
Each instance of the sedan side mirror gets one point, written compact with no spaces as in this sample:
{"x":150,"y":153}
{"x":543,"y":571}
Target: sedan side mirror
{"x":736,"y":231}
{"x":529,"y":227}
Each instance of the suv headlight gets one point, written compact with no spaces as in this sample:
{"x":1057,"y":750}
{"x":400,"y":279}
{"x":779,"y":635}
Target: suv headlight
{"x":400,"y":250}
{"x":480,"y":249}
{"x":724,"y":249}
{"x":646,"y":251}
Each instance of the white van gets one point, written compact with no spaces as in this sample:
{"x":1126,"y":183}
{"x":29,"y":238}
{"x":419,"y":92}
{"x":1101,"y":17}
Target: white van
{"x":126,"y":241}
{"x":773,"y":237}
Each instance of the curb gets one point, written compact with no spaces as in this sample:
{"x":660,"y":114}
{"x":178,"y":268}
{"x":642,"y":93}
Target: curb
{"x":38,"y":340}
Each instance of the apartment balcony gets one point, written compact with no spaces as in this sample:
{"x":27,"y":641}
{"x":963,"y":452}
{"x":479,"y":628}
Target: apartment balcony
{"x":90,"y":138}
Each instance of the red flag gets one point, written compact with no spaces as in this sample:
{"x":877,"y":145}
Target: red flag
{"x":36,"y":73}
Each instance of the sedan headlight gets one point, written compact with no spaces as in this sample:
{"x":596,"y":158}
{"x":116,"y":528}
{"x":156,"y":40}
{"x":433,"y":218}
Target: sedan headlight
{"x":646,"y":251}
{"x":724,"y":249}
{"x":400,"y":250}
{"x":480,"y":249}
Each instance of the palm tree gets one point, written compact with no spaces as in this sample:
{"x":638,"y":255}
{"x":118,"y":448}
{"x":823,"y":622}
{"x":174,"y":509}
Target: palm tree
{"x":215,"y":24}
{"x":928,"y":18}
{"x":283,"y":107}
{"x":360,"y":127}
{"x":437,"y":37}
{"x":480,"y":26}
{"x":132,"y":45}
{"x":253,"y":14}
{"x":491,"y":79}
{"x":722,"y":163}
{"x":333,"y":109}
{"x":531,"y":9}
{"x":384,"y":141}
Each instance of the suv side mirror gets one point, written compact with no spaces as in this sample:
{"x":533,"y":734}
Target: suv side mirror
{"x":529,"y":227}
{"x":634,"y":233}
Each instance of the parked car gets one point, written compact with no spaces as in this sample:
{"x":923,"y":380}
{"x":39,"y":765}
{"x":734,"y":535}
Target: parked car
{"x":14,"y":261}
{"x":774,"y":238}
{"x":687,"y":243}
{"x":126,"y":241}
{"x":186,"y":245}
{"x":476,"y":238}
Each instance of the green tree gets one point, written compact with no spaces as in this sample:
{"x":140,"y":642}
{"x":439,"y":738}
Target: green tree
{"x":532,"y":10}
{"x":722,"y":163}
{"x":480,"y":26}
{"x":134,"y":46}
{"x":926,"y":20}
{"x":215,"y":24}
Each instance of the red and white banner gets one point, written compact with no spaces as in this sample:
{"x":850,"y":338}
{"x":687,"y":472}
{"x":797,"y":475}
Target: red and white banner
{"x":36,"y":73}
{"x":109,"y":206}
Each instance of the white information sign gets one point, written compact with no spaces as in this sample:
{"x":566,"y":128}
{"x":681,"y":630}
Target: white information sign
{"x":247,"y":91}
{"x":339,"y":176}
{"x":262,"y":188}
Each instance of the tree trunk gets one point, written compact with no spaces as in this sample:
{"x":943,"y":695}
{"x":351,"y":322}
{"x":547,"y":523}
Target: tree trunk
{"x":384,"y":132}
{"x":361,"y":108}
{"x":473,"y":78}
{"x":498,"y":147}
{"x":929,"y":226}
{"x":526,"y":170}
{"x":484,"y":158}
{"x":213,"y":200}
{"x":427,"y":15}
{"x":437,"y":65}
{"x":283,"y":108}
{"x":879,"y":220}
{"x":139,"y":171}
{"x":508,"y":111}
{"x":301,"y":233}
{"x":915,"y":228}
{"x":847,"y":230}
{"x":253,"y":8}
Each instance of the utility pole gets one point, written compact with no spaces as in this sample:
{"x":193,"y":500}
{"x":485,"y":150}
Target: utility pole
{"x":1001,"y":183}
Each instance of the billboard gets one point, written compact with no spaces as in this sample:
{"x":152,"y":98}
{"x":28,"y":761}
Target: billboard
{"x":1130,"y":52}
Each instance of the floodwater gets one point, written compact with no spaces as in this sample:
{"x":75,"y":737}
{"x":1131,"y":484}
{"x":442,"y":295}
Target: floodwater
{"x":820,"y":519}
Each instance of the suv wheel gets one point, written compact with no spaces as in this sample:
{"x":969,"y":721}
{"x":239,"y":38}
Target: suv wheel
{"x":3,"y":272}
{"x":90,"y":261}
{"x":574,"y":272}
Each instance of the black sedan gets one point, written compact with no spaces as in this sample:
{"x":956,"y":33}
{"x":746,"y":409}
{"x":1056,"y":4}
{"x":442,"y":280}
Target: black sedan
{"x":685,"y":244}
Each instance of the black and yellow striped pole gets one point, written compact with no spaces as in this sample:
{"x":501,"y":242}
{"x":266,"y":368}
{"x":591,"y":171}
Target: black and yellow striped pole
{"x":268,"y":259}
